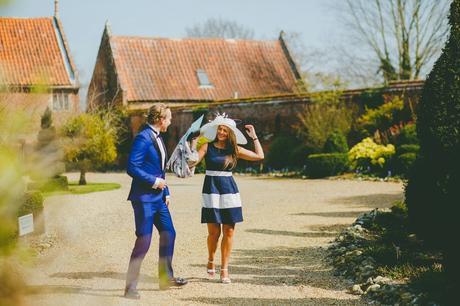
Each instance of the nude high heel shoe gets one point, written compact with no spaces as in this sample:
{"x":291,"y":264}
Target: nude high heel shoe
{"x":225,"y":280}
{"x":211,"y":272}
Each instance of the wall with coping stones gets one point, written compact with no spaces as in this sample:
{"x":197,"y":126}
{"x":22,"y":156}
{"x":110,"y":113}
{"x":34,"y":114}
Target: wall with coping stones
{"x":277,"y":116}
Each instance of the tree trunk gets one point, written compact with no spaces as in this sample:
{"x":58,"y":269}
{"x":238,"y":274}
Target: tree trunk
{"x":82,"y":180}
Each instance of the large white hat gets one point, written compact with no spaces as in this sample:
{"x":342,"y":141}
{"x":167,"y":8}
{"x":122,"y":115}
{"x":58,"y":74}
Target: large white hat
{"x":209,"y":130}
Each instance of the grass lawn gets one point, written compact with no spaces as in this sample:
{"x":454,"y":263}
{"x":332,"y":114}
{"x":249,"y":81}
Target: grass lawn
{"x":74,"y":188}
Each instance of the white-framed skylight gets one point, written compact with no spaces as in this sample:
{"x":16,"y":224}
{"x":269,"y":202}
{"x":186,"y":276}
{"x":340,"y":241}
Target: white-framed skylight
{"x":203,"y":78}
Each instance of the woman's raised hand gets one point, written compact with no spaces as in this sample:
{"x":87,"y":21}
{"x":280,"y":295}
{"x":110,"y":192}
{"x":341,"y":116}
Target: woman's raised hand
{"x":250,"y":130}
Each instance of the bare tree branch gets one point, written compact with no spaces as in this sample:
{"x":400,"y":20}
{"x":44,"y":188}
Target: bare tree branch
{"x":405,"y":36}
{"x":220,"y":28}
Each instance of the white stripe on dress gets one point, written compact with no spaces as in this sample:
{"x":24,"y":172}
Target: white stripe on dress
{"x":218,"y":173}
{"x":221,"y":201}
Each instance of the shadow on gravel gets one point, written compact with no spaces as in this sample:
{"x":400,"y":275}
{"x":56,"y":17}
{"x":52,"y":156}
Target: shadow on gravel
{"x":293,"y":234}
{"x":54,"y":289}
{"x":334,"y":228}
{"x":260,"y":301}
{"x":334,"y":214}
{"x":106,"y":274}
{"x":369,"y":201}
{"x":284,"y":267}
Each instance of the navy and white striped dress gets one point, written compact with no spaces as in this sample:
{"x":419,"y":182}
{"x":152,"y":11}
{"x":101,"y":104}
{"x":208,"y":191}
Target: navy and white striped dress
{"x":221,"y":198}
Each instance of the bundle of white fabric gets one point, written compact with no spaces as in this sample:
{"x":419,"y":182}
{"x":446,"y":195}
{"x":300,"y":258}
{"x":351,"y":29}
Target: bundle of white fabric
{"x":183,"y":158}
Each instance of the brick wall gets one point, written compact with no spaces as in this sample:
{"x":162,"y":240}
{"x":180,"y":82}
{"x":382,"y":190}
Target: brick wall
{"x":33,"y":105}
{"x":270,"y":117}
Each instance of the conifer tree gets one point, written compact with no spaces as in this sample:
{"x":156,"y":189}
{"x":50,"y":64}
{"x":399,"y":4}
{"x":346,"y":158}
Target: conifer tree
{"x":433,"y":189}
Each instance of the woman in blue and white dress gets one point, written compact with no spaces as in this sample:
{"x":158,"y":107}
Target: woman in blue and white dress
{"x":221,"y":198}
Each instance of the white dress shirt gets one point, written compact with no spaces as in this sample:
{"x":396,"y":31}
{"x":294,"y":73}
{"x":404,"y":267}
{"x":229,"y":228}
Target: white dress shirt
{"x":156,"y":134}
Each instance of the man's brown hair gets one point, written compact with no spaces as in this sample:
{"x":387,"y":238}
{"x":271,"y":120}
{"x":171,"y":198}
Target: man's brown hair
{"x":156,"y":112}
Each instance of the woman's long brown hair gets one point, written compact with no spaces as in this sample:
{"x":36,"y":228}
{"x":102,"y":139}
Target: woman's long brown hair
{"x":232,"y":146}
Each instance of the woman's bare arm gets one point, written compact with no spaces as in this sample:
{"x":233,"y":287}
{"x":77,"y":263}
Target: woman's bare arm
{"x":201,"y":152}
{"x":248,"y":154}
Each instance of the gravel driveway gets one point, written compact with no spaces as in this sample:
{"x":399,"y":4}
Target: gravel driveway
{"x":278,"y":251}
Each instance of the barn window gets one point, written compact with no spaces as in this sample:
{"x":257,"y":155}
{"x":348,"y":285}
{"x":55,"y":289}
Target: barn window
{"x":61,"y":102}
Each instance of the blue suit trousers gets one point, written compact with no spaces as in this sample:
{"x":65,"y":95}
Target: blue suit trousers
{"x":146,"y":216}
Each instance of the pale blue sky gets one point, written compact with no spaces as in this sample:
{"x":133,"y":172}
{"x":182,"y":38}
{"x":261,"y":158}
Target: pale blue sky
{"x":84,"y":20}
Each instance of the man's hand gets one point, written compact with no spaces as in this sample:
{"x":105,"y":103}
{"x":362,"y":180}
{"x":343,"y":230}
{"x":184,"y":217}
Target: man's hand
{"x":159,"y":184}
{"x":168,"y":201}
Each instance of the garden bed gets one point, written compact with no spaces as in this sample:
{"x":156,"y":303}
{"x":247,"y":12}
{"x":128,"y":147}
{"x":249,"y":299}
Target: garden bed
{"x":386,"y":262}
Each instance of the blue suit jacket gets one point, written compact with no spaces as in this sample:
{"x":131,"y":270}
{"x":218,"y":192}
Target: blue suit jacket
{"x":144,"y":166}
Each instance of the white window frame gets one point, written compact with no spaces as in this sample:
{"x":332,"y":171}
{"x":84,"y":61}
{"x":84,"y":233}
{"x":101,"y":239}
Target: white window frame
{"x":60,"y":102}
{"x":202,"y":77}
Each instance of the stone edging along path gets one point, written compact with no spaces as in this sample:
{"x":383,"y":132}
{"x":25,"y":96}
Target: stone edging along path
{"x":349,"y":261}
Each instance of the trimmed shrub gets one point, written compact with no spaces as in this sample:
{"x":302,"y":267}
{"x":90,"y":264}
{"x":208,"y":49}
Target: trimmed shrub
{"x":298,"y":156}
{"x":407,"y":135}
{"x":408,"y":148}
{"x":56,"y":183}
{"x":326,"y":164}
{"x":336,"y":142}
{"x":404,"y":163}
{"x":33,"y":204}
{"x":280,"y":150}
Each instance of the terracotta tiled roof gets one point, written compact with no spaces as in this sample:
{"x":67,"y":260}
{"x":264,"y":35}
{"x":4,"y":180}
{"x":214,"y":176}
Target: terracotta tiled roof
{"x":33,"y":51}
{"x":166,"y":69}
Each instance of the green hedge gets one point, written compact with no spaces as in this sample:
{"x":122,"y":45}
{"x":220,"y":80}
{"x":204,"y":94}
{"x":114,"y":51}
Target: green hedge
{"x":404,"y":163}
{"x":336,"y":142}
{"x":408,"y":148}
{"x":56,"y":183}
{"x":408,"y":135}
{"x":32,"y":203}
{"x":326,"y":164}
{"x":286,"y":151}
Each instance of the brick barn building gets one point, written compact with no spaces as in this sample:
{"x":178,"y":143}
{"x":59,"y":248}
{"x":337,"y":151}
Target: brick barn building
{"x":36,"y":68}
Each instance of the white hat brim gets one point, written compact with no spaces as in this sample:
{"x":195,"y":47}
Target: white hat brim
{"x":209,"y":131}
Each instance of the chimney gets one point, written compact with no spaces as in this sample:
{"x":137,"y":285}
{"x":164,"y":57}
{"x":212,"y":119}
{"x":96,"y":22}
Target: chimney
{"x":56,"y":8}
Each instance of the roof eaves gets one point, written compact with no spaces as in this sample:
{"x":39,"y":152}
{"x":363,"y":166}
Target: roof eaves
{"x":112,"y":48}
{"x":289,"y":58}
{"x":65,"y":51}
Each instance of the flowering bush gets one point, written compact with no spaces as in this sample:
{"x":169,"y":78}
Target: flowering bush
{"x":381,"y":118}
{"x":368,"y":156}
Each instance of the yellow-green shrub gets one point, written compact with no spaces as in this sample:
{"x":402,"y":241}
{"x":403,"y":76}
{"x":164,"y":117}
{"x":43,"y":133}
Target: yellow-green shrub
{"x":367,"y":155}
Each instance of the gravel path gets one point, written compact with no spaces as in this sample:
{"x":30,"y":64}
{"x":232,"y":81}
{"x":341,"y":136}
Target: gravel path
{"x":278,"y":250}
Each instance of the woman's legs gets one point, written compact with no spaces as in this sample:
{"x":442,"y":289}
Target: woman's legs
{"x":226,"y":247}
{"x":213,"y":238}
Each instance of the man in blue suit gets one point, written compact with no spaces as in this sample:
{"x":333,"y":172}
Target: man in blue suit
{"x":150,"y":199}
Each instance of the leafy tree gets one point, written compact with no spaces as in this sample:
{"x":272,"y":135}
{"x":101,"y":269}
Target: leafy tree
{"x":90,"y":143}
{"x":432,"y":192}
